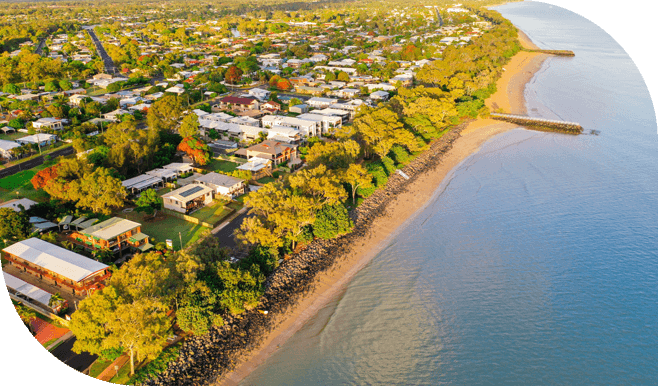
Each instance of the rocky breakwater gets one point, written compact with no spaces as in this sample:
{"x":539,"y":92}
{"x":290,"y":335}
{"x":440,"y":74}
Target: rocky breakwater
{"x":204,"y":360}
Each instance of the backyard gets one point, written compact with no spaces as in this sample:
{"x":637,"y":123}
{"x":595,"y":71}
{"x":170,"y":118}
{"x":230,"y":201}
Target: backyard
{"x":213,"y":213}
{"x":20,"y":182}
{"x":165,"y":227}
{"x":217,"y":165}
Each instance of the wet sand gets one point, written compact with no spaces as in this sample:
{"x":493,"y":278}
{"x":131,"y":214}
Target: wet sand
{"x":401,"y":210}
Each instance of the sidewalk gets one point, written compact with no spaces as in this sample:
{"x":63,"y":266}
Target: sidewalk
{"x":110,"y":371}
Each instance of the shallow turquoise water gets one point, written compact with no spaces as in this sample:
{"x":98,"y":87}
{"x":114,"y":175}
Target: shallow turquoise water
{"x":536,"y":264}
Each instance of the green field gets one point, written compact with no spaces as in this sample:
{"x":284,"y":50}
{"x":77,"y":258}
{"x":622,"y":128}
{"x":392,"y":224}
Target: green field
{"x":266,"y":180}
{"x":212,"y":214}
{"x":217,"y":165}
{"x":166,"y":227}
{"x":98,"y":366}
{"x":17,"y":180}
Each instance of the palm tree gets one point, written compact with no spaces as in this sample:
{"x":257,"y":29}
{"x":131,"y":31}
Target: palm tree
{"x":55,"y":300}
{"x":68,"y":245}
{"x":26,"y":315}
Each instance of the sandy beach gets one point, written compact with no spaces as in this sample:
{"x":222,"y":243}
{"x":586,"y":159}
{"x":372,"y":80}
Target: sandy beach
{"x":402,"y":209}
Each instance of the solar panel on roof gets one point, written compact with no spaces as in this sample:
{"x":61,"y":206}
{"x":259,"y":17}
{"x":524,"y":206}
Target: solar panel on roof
{"x":191,"y":191}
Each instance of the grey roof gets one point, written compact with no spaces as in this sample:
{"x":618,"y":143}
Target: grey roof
{"x":111,"y":229}
{"x":219,"y":180}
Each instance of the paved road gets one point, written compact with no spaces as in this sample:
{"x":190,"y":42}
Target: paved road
{"x":34,"y":162}
{"x":110,"y":68}
{"x":225,"y":235}
{"x":42,"y":42}
{"x":80,"y":362}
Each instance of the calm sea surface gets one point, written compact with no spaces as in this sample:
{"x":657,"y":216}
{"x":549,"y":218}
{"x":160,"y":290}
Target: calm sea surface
{"x":536,"y":263}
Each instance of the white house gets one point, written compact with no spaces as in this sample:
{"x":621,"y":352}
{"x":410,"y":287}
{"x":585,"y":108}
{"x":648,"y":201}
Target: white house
{"x":188,"y":198}
{"x":259,"y":93}
{"x":321,"y":103}
{"x":379,"y":95}
{"x":48,"y":123}
{"x":5,"y":148}
{"x":41,"y":138}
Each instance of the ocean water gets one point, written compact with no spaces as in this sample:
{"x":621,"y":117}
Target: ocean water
{"x":535,"y":263}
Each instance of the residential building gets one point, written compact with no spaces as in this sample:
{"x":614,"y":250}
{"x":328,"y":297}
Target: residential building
{"x":275,"y":151}
{"x":321,"y":103}
{"x":259,"y":167}
{"x":115,"y":234}
{"x":41,"y":138}
{"x":35,"y":295}
{"x":308,"y":128}
{"x":188,"y":198}
{"x":5,"y":148}
{"x":48,"y":123}
{"x":379,"y":95}
{"x":259,"y":93}
{"x":222,"y":184}
{"x":238,"y":104}
{"x":54,"y":264}
{"x":299,"y":109}
{"x":179,"y":168}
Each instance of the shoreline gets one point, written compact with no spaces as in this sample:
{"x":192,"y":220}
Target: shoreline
{"x":402,"y":209}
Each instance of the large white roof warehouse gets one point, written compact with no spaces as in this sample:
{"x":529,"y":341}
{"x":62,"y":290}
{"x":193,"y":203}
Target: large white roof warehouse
{"x":55,"y":259}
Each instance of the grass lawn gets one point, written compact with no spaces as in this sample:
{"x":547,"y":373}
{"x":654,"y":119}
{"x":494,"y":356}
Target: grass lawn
{"x":217,"y":165}
{"x":266,"y":180}
{"x":212,"y":214}
{"x":166,"y":227}
{"x":17,"y":180}
{"x":123,"y":376}
{"x":12,"y":136}
{"x":98,"y":367}
{"x":237,"y":205}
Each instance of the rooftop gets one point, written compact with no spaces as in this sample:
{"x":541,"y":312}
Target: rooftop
{"x":110,"y":229}
{"x":56,"y":259}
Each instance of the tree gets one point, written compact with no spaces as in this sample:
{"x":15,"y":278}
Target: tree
{"x":14,"y":226}
{"x":129,"y":314}
{"x":165,"y":113}
{"x":65,"y":84}
{"x":233,"y":75}
{"x":51,"y":86}
{"x":26,"y":315}
{"x":98,"y":191}
{"x":11,"y":88}
{"x":333,"y":154}
{"x":330,"y":76}
{"x":319,"y":183}
{"x":196,"y":149}
{"x":357,"y":177}
{"x":380,"y":129}
{"x":332,"y":221}
{"x":294,"y":102}
{"x":149,"y":201}
{"x":342,"y":76}
{"x":189,"y":126}
{"x":43,"y":177}
{"x":283,"y":84}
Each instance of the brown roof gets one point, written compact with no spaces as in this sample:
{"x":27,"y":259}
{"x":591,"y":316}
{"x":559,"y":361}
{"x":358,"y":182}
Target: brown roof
{"x":271,"y":147}
{"x":237,"y":100}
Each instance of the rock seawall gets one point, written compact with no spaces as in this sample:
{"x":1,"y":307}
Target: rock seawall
{"x":204,"y":360}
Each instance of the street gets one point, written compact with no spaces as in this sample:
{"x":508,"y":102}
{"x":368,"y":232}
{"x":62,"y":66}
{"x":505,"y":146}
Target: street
{"x":80,"y":362}
{"x":34,"y":162}
{"x":225,"y":235}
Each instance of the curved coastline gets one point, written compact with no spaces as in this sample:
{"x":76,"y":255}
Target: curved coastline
{"x":304,"y":285}
{"x":401,"y":210}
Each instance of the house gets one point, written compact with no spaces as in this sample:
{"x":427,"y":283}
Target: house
{"x":115,"y":116}
{"x":259,"y":167}
{"x":326,"y":123}
{"x":309,"y":90}
{"x":16,"y":204}
{"x":379,"y":95}
{"x":344,"y":115}
{"x":347,"y":93}
{"x":188,"y":198}
{"x":115,"y":234}
{"x":275,"y":151}
{"x":179,"y":168}
{"x":321,"y":103}
{"x":5,"y":148}
{"x":143,"y":182}
{"x":238,"y":104}
{"x":48,"y":123}
{"x":271,"y":106}
{"x":309,"y":128}
{"x":175,"y":90}
{"x":41,"y":139}
{"x":54,"y":264}
{"x":259,"y":93}
{"x":299,"y":109}
{"x":284,"y":134}
{"x":222,"y":185}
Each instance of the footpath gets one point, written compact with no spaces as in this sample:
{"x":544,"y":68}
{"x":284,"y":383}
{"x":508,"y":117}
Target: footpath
{"x":113,"y":368}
